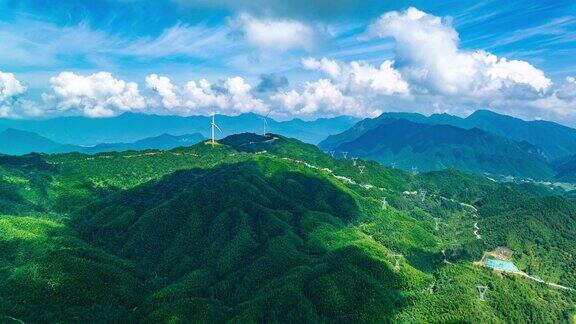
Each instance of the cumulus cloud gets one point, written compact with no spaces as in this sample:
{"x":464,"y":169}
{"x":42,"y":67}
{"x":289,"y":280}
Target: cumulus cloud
{"x":165,"y":89}
{"x":324,"y":98}
{"x":359,"y":77}
{"x":428,"y":56}
{"x":280,"y":35}
{"x":95,"y":95}
{"x":10,"y":91}
{"x":232,"y":95}
{"x":271,"y":82}
{"x":10,"y":87}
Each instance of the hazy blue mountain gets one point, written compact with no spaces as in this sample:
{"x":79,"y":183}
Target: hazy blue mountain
{"x":554,"y":139}
{"x":162,"y":142}
{"x":436,"y":147}
{"x":565,"y":169}
{"x":130,"y":127}
{"x":18,"y":142}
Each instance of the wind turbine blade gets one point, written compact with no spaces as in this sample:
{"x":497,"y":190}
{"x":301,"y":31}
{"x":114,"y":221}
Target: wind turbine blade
{"x":217,"y":128}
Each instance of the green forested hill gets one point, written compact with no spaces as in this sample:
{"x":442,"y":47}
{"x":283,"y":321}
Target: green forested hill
{"x":427,"y":147}
{"x":267,"y":229}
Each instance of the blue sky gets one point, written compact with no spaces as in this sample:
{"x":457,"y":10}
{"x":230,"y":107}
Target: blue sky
{"x":155,"y":55}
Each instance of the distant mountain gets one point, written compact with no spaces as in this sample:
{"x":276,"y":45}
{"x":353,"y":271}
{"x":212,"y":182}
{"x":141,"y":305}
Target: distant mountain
{"x":162,"y":142}
{"x":436,"y":147}
{"x":130,"y":127}
{"x":555,"y":140}
{"x":565,"y":169}
{"x":18,"y":142}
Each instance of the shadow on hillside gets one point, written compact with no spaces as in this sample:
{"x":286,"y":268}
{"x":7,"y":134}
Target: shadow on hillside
{"x":246,"y":228}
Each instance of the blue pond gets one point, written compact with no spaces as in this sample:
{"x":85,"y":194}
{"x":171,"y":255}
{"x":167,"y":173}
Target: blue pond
{"x":501,"y":265}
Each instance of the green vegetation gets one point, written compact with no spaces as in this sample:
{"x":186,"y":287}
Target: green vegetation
{"x":268,"y":229}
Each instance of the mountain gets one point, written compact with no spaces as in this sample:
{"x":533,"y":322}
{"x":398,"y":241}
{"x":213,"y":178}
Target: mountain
{"x":553,"y":139}
{"x":162,"y":142}
{"x":269,"y":229}
{"x":435,"y":147}
{"x":565,"y":169}
{"x":17,"y":142}
{"x":130,"y":127}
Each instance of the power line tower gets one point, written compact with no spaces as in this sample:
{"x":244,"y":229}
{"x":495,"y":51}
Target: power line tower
{"x":331,"y":153}
{"x":437,"y":220}
{"x":422,"y":194}
{"x":361,"y":168}
{"x":482,"y":292}
{"x":354,"y":161}
{"x":384,"y":203}
{"x":396,"y":258}
{"x":345,"y":154}
{"x":414,"y":170}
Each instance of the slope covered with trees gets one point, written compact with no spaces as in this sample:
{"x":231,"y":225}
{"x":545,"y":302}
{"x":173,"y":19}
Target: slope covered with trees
{"x":270,"y":229}
{"x":407,"y":145}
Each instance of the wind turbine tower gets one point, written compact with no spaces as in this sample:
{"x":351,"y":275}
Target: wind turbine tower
{"x":265,"y":120}
{"x":214,"y":127}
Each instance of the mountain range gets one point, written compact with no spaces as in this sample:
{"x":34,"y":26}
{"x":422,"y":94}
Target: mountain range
{"x":429,"y":147}
{"x":131,"y":127}
{"x":555,"y":140}
{"x":269,"y":229}
{"x":484,"y":142}
{"x":17,"y":142}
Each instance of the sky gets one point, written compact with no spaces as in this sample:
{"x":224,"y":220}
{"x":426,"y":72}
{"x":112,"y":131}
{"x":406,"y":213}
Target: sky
{"x":299,"y":58}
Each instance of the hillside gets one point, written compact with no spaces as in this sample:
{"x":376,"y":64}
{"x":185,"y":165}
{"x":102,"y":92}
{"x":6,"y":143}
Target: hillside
{"x":268,"y":229}
{"x":554,"y":140}
{"x":131,"y":127}
{"x":435,"y":147}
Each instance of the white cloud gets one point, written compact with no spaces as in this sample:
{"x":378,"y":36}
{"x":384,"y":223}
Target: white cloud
{"x":361,"y":78}
{"x":328,"y":66}
{"x":322,"y":98}
{"x":232,"y":95}
{"x":10,"y":91}
{"x":165,"y":89}
{"x":95,"y":95}
{"x":278,"y":35}
{"x":10,"y":87}
{"x":427,"y":55}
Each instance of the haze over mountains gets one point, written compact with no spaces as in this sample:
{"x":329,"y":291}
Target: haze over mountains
{"x":130,"y":127}
{"x":484,"y":142}
{"x":17,"y":142}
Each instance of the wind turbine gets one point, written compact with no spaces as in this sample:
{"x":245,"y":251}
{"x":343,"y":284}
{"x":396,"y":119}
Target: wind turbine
{"x":214,"y":126}
{"x":265,"y":119}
